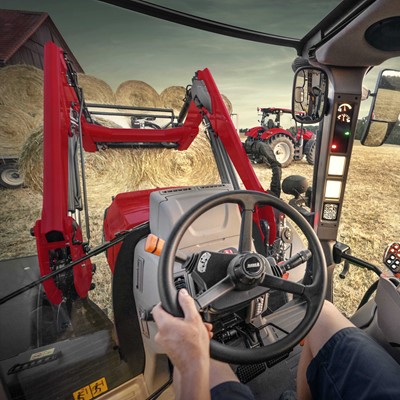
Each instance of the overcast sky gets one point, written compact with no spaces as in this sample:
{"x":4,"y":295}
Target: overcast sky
{"x":117,"y":45}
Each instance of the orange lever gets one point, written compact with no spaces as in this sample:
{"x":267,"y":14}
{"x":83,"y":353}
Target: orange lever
{"x":154,"y":244}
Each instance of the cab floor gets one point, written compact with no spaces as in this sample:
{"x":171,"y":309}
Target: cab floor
{"x":274,"y":381}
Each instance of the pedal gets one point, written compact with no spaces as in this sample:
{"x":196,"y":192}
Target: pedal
{"x":246,"y":373}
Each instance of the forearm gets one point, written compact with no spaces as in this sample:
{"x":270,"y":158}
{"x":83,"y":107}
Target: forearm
{"x":193,"y":382}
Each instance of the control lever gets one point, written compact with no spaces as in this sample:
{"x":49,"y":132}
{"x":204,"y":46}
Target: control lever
{"x":154,"y":245}
{"x":338,"y":250}
{"x":345,"y":270}
{"x":265,"y":229}
{"x":343,"y":252}
{"x":296,"y":260}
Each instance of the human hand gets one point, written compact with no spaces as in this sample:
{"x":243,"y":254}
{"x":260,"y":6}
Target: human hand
{"x":186,"y":339}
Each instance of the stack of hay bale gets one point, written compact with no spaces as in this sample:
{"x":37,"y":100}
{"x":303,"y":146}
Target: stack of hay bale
{"x":110,"y":171}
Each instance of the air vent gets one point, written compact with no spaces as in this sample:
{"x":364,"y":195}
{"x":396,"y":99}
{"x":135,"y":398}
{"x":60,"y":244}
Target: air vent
{"x":177,"y":190}
{"x":212,"y":187}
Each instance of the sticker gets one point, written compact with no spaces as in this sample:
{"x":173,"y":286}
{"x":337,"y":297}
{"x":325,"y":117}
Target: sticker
{"x":91,"y":391}
{"x":42,"y":354}
{"x":202,"y":264}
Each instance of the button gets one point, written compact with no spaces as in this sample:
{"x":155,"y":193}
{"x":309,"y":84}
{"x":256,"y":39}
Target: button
{"x":388,"y":261}
{"x":392,"y":257}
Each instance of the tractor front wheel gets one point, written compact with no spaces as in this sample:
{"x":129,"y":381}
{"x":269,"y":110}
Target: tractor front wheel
{"x":283,"y":148}
{"x":309,"y":150}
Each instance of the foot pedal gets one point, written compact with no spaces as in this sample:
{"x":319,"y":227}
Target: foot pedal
{"x":246,"y":373}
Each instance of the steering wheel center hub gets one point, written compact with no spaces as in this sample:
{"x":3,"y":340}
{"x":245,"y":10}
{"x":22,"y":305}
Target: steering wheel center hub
{"x":247,"y":270}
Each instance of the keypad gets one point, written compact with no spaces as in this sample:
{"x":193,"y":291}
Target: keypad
{"x":392,"y":257}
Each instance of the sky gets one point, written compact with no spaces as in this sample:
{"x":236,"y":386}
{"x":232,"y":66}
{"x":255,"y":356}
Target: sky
{"x":118,"y":45}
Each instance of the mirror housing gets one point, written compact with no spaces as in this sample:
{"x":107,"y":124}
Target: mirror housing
{"x":385,"y":109}
{"x":310,"y":93}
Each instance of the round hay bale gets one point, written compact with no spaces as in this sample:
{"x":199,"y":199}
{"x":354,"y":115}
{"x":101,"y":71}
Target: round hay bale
{"x":113,"y":171}
{"x":227,"y":103}
{"x":96,"y":90}
{"x":31,"y":160}
{"x":172,"y":97}
{"x":15,"y":127}
{"x":194,"y":166}
{"x":137,"y":93}
{"x":21,"y":86}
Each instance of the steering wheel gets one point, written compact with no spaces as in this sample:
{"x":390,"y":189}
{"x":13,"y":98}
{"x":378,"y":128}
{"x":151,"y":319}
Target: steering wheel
{"x":246,"y":273}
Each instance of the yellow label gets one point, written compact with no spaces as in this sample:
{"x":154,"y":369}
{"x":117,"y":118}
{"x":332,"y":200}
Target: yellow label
{"x":83,"y":394}
{"x":98,"y":387}
{"x":91,"y":391}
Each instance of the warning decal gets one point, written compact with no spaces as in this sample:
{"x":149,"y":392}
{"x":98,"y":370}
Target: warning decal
{"x":91,"y":391}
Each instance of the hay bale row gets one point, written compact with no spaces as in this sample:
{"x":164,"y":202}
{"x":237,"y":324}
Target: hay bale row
{"x":112,"y":171}
{"x":119,"y":170}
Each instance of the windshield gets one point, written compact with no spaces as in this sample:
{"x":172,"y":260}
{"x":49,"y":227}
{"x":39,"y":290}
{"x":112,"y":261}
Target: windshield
{"x":294,"y":20}
{"x":75,"y":340}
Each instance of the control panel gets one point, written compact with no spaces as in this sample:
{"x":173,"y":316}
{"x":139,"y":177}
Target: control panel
{"x":391,"y":257}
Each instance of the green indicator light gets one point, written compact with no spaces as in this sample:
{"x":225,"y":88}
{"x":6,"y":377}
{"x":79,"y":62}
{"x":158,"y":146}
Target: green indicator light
{"x":347,"y":133}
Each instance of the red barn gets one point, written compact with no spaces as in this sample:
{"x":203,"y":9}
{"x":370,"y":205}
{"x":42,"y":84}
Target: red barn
{"x":23,"y":35}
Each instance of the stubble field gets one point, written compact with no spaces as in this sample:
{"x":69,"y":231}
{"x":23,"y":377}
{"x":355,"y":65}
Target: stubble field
{"x":369,"y":220}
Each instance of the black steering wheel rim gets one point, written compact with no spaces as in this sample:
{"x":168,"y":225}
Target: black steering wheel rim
{"x":317,"y":290}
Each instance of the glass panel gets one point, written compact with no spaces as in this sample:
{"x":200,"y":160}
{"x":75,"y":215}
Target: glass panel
{"x":295,"y":18}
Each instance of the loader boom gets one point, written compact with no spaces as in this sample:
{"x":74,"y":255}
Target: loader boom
{"x":68,"y":128}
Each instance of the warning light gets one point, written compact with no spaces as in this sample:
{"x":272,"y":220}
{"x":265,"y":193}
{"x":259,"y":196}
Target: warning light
{"x":333,"y":147}
{"x":347,"y":133}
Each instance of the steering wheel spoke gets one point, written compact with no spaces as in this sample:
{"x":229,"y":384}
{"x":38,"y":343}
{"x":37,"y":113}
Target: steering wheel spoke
{"x":214,"y":293}
{"x":248,"y":204}
{"x":273,"y":282}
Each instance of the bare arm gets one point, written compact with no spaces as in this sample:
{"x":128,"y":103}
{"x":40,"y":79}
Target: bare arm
{"x":186,"y":341}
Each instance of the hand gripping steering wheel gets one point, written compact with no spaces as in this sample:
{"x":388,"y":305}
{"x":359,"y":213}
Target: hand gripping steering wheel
{"x":247,"y":272}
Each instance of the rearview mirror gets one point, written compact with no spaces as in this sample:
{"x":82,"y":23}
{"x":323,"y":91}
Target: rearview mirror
{"x":385,"y":109}
{"x":310,"y":92}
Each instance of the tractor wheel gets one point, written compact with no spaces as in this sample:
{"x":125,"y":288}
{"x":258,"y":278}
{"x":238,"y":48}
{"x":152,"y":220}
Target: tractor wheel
{"x":309,"y":150}
{"x":283,"y":148}
{"x":10,"y":178}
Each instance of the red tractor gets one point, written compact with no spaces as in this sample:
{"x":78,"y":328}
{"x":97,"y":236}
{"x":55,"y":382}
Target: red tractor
{"x":287,"y":144}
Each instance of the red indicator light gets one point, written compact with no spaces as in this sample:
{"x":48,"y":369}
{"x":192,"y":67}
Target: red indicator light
{"x":334,"y":147}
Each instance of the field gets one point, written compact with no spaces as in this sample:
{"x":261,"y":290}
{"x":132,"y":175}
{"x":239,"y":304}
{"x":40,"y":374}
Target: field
{"x":369,"y":220}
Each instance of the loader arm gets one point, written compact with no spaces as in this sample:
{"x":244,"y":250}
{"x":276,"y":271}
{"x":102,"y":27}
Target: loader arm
{"x":68,"y":129}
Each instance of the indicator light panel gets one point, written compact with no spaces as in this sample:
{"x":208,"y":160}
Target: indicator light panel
{"x":342,"y":132}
